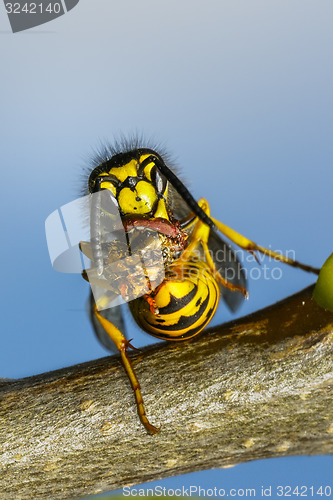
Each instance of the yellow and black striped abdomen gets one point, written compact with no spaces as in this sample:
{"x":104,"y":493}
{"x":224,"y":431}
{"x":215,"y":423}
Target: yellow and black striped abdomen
{"x":186,"y":302}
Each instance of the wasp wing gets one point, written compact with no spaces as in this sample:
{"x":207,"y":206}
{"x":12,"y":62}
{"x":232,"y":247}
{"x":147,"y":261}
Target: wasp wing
{"x":224,"y":257}
{"x":228,"y":265}
{"x":114,"y":315}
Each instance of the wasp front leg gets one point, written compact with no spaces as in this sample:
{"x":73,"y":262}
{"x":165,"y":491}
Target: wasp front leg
{"x":122,"y":345}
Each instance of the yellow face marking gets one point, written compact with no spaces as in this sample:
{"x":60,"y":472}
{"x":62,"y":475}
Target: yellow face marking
{"x":161,"y":210}
{"x":139,"y":201}
{"x":143,"y":198}
{"x":108,"y":185}
{"x":129,"y":202}
{"x":146,"y":192}
{"x":148,"y":167}
{"x":127,"y":170}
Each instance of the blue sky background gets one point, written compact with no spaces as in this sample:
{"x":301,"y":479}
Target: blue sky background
{"x":239,"y":92}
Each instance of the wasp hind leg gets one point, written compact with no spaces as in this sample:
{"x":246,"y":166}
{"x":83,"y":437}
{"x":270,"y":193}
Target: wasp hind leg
{"x":122,"y":345}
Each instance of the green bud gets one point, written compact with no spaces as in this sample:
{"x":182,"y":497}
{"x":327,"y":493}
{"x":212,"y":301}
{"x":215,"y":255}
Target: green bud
{"x":323,"y":292}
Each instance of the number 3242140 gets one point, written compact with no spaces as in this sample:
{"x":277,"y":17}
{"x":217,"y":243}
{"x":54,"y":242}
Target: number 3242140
{"x":303,"y":491}
{"x":33,"y":8}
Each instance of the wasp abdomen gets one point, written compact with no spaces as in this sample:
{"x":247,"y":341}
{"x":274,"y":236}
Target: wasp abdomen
{"x":186,"y":301}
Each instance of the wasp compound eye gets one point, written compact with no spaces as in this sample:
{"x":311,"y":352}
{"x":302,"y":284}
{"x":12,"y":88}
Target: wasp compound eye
{"x":158,"y":180}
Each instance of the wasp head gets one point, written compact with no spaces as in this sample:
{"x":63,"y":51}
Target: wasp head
{"x":135,"y":181}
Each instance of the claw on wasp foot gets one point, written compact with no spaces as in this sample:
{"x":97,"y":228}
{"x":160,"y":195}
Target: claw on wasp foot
{"x":128,"y":344}
{"x":253,"y":253}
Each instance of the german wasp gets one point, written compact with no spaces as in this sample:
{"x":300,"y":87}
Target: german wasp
{"x":170,"y":240}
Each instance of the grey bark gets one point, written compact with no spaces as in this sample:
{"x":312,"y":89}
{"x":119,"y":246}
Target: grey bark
{"x":255,"y":388}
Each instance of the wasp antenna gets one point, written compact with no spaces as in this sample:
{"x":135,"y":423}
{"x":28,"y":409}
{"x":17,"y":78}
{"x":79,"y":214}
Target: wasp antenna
{"x":182,"y":190}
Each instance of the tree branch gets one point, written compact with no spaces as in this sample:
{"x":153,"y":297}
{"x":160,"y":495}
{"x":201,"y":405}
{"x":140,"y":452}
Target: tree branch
{"x":258,"y":387}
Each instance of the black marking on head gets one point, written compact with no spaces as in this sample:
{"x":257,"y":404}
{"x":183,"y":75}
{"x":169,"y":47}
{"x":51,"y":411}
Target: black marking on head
{"x":130,"y":182}
{"x":116,"y":151}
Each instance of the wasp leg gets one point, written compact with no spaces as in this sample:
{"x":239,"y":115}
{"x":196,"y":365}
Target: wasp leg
{"x":219,"y":277}
{"x":251,"y":246}
{"x":122,"y":345}
{"x":245,"y":243}
{"x":200,"y":236}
